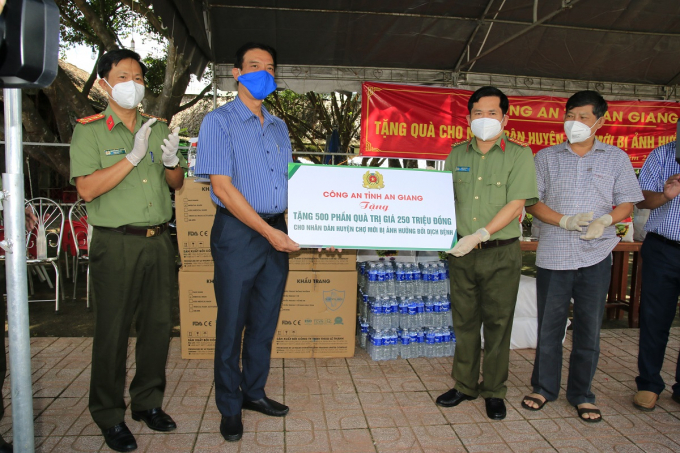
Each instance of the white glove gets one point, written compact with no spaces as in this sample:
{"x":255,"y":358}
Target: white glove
{"x":170,"y":147}
{"x":469,"y":242}
{"x":575,"y":222}
{"x":596,"y":227}
{"x":141,"y":143}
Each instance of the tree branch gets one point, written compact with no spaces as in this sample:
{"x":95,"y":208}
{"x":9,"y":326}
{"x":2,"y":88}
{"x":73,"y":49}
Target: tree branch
{"x":104,"y":34}
{"x":149,"y":15}
{"x":93,"y":75}
{"x":194,"y":101}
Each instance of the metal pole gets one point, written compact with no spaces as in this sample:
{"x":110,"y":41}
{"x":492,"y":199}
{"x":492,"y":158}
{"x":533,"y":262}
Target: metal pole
{"x":15,"y":273}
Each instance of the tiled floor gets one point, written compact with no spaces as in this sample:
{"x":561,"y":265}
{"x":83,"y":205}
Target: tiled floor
{"x":357,"y":405}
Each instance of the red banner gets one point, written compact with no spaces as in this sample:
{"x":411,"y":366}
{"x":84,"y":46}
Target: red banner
{"x":418,"y":122}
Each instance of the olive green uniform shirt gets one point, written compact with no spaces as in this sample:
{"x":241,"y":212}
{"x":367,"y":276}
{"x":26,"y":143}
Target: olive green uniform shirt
{"x":143,"y":197}
{"x":484,"y":183}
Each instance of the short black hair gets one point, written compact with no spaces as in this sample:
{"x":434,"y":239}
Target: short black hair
{"x":489,"y":91}
{"x":240,"y":53}
{"x":113,"y":57}
{"x":588,"y":97}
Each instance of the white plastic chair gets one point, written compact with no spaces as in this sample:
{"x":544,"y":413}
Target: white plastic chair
{"x":81,"y":234}
{"x":43,"y":243}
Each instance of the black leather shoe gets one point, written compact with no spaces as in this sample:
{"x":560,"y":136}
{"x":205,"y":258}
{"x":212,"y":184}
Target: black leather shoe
{"x":231,"y":428}
{"x":119,"y":438}
{"x":155,"y":419}
{"x":5,"y":447}
{"x":453,"y":398}
{"x":267,"y":407}
{"x":495,"y":408}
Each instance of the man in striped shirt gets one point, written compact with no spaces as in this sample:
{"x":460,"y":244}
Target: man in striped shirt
{"x":578,"y":181}
{"x":660,"y":182}
{"x":245,"y":151}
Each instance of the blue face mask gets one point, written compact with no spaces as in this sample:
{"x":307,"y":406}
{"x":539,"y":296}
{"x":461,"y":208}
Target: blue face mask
{"x":260,"y":83}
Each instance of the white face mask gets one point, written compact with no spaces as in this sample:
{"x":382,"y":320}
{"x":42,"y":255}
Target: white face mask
{"x":127,"y":94}
{"x":485,"y":128}
{"x":577,"y":132}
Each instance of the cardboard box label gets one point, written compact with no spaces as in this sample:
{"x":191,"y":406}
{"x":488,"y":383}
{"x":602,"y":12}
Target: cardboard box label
{"x":195,"y":213}
{"x":197,"y":311}
{"x":318,"y":315}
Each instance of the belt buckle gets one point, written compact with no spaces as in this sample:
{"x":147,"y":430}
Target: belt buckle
{"x":151,"y":232}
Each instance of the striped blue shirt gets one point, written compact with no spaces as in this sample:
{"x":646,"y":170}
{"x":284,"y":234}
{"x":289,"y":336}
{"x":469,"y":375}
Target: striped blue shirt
{"x":232,"y":142}
{"x":569,"y":184}
{"x":659,"y":166}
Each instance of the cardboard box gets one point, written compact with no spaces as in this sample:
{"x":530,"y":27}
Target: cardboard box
{"x":312,"y":260}
{"x":195,"y":213}
{"x":318,"y":315}
{"x":400,"y":256}
{"x":197,"y":313}
{"x":317,"y":318}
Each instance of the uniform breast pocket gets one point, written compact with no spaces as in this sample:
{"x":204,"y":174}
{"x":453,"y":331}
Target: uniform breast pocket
{"x":109,"y":159}
{"x":462,"y":184}
{"x":496,"y":189}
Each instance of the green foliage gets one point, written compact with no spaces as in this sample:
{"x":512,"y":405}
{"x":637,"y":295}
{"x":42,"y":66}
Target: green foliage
{"x":155,"y":73}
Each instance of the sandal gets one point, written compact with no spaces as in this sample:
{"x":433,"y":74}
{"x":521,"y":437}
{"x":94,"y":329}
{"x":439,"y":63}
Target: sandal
{"x":588,"y":410}
{"x":538,"y":401}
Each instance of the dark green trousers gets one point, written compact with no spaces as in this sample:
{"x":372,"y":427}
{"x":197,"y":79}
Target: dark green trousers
{"x":484,"y":286}
{"x":131,"y":276}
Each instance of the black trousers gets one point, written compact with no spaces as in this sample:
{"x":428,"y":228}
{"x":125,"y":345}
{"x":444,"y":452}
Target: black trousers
{"x":555,"y":289}
{"x":131,"y":275}
{"x":658,"y":305}
{"x":250,"y":276}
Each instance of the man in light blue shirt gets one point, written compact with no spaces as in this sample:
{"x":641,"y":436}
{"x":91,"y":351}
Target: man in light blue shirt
{"x":245,"y":151}
{"x":578,"y":181}
{"x":660,"y":182}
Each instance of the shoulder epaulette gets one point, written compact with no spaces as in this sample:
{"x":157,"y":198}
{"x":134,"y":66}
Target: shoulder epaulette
{"x":459,"y":143}
{"x":146,"y":115}
{"x":91,"y":118}
{"x":517,"y":142}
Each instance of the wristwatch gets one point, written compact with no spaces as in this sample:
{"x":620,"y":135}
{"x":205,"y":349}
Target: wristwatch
{"x":171,"y":168}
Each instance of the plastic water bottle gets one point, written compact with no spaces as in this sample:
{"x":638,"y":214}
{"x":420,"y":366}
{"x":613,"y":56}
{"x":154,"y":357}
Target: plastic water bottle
{"x":448,"y":279}
{"x":446,"y":342}
{"x":412,"y":312}
{"x":414,"y":343}
{"x":443,"y":280}
{"x":428,"y":313}
{"x":425,"y":279}
{"x":408,"y":277}
{"x":447,"y":320}
{"x":421,"y":311}
{"x":439,"y":343}
{"x":387,"y":301}
{"x":380,"y":272}
{"x":372,"y":284}
{"x":403,"y":311}
{"x":404,"y":344}
{"x":434,"y":279}
{"x":453,"y":343}
{"x":394,"y":340}
{"x":400,"y":280}
{"x":363,"y":332}
{"x":417,"y":281}
{"x":429,"y":342}
{"x":389,"y":279}
{"x":437,"y":312}
{"x":395,"y":311}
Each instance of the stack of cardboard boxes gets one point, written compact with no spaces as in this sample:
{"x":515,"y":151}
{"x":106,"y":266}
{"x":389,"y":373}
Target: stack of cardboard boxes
{"x":318,"y":312}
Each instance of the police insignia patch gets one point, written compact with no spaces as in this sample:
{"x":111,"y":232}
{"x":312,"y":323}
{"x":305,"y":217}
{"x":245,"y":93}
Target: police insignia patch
{"x":373,"y":180}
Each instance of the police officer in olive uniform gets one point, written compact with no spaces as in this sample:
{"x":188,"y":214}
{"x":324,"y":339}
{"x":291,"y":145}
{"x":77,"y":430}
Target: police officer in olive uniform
{"x":124,"y":164}
{"x":493,"y":178}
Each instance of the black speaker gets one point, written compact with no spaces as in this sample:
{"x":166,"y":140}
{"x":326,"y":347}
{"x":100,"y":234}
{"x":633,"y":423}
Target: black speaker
{"x":29,"y":46}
